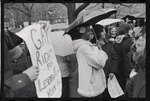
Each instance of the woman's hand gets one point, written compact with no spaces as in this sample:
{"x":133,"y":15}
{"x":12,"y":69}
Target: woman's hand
{"x":111,"y":39}
{"x":32,"y":72}
{"x":99,"y":44}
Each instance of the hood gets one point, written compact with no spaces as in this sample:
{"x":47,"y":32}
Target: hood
{"x":77,"y":43}
{"x":119,"y":38}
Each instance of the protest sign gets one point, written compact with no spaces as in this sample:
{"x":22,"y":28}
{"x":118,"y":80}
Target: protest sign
{"x":37,"y":39}
{"x":114,"y":88}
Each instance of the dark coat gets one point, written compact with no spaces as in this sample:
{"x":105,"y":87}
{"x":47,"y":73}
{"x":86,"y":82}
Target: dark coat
{"x":121,"y":49}
{"x":16,"y":83}
{"x":112,"y":62}
{"x":136,"y":86}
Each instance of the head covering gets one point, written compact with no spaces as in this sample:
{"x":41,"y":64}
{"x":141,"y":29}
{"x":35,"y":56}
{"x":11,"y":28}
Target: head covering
{"x":11,"y":39}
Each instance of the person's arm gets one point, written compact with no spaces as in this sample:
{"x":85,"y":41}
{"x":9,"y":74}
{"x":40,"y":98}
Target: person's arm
{"x":114,"y":60}
{"x":129,"y":87}
{"x":95,"y":58}
{"x":16,"y":82}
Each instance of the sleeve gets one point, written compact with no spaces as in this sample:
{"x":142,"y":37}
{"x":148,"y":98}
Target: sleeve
{"x":129,"y":87}
{"x":94,"y":58}
{"x":114,"y":60}
{"x":19,"y":86}
{"x":17,"y":81}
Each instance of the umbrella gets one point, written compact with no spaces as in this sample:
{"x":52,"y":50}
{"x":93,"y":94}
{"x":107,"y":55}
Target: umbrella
{"x":62,"y":44}
{"x":108,"y":21}
{"x":140,"y":15}
{"x":90,"y":18}
{"x":130,"y":17}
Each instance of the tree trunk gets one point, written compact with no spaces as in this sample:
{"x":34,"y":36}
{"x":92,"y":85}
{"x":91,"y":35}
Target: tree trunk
{"x":71,"y":9}
{"x":103,"y":6}
{"x":80,"y":8}
{"x":29,"y":19}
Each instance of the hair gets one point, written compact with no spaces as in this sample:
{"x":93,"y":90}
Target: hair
{"x":75,"y":34}
{"x":143,"y":31}
{"x":123,"y":29}
{"x":109,"y":30}
{"x":97,"y":29}
{"x":140,"y":22}
{"x":141,"y":57}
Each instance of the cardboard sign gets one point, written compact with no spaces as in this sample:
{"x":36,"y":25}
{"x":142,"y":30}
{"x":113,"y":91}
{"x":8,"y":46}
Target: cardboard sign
{"x":48,"y":83}
{"x":114,"y":88}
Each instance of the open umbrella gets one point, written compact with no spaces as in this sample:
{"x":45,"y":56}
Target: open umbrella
{"x":90,"y":18}
{"x":130,"y":17}
{"x":108,"y":21}
{"x":62,"y":44}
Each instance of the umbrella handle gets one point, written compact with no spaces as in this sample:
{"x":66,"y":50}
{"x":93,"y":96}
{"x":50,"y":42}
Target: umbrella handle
{"x":94,"y":33}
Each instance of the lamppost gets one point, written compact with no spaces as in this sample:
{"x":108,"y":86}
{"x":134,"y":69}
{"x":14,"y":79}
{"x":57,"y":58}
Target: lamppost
{"x":12,"y":19}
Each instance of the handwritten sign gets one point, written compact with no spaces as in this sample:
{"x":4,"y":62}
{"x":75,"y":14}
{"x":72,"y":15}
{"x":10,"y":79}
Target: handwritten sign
{"x":114,"y":88}
{"x":48,"y":84}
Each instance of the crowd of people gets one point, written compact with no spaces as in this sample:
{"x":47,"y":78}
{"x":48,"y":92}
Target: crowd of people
{"x":100,"y":53}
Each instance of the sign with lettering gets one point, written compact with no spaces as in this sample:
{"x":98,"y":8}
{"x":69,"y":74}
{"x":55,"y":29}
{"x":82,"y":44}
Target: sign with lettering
{"x":48,"y":83}
{"x":114,"y":88}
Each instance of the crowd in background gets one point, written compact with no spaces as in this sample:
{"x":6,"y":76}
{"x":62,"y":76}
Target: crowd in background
{"x":117,"y":49}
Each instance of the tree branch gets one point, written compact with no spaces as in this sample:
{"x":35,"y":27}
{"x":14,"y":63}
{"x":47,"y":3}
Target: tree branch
{"x":80,"y":8}
{"x":20,"y":10}
{"x":31,"y":6}
{"x":26,"y":8}
{"x":94,"y":6}
{"x":126,"y":5}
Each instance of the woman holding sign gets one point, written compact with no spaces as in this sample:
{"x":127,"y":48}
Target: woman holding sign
{"x":20,"y":84}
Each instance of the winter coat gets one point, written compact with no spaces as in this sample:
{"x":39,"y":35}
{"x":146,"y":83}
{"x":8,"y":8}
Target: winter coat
{"x":91,"y":61}
{"x":122,"y":46}
{"x":17,"y":85}
{"x":112,"y":62}
{"x":136,"y":86}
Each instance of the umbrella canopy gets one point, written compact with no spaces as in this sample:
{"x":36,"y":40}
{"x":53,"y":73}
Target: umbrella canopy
{"x":140,"y":15}
{"x":62,"y":44}
{"x":90,"y":18}
{"x":108,"y":21}
{"x":130,"y":17}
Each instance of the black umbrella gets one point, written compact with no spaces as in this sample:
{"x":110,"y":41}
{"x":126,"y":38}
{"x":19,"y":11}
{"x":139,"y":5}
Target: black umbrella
{"x":89,"y":18}
{"x":12,"y":40}
{"x":130,"y":17}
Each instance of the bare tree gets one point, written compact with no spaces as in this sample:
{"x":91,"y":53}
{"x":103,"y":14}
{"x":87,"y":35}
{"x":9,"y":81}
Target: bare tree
{"x":72,"y":11}
{"x":25,"y":8}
